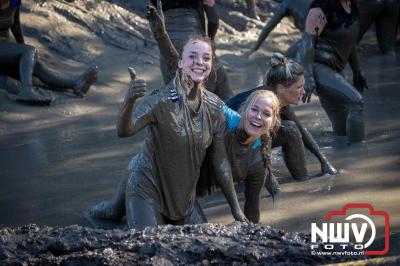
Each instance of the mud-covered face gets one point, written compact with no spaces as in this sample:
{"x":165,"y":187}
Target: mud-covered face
{"x":293,"y":93}
{"x":258,"y":117}
{"x":196,"y":60}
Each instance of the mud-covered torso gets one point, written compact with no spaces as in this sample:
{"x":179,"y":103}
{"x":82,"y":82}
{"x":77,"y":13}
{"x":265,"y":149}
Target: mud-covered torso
{"x":176,"y":142}
{"x":338,"y":38}
{"x":246,"y":161}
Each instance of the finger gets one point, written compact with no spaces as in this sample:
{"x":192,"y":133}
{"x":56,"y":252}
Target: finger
{"x":132,"y":73}
{"x":159,"y":9}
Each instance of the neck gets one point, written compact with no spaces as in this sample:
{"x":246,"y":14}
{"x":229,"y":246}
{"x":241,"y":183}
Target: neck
{"x":282,"y":102}
{"x":243,"y":137}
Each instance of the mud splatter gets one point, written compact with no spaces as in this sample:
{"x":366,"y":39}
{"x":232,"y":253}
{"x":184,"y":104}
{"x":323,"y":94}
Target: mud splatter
{"x":206,"y":244}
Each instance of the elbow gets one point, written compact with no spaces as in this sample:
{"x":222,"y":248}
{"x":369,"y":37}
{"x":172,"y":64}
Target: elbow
{"x":121,"y":132}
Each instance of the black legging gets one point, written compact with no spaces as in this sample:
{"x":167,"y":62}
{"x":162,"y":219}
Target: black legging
{"x":341,"y":101}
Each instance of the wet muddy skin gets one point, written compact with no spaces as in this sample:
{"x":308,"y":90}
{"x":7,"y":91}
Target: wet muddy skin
{"x":57,"y":161}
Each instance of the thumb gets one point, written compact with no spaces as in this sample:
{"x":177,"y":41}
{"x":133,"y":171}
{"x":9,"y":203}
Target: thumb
{"x":132,"y":73}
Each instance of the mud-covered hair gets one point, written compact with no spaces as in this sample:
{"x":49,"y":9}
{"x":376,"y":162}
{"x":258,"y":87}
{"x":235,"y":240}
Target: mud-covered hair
{"x":194,"y":38}
{"x":282,"y":71}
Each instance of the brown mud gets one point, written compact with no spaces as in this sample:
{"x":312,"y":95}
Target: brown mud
{"x":57,"y":161}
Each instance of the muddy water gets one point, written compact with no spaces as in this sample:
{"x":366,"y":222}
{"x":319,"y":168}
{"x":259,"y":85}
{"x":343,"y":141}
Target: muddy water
{"x":56,"y":162}
{"x":368,"y":173}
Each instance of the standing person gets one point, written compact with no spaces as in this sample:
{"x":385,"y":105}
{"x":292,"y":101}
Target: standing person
{"x":19,"y":60}
{"x":329,"y":42}
{"x":183,"y":122}
{"x":247,"y":141}
{"x":283,"y":72}
{"x":185,"y":18}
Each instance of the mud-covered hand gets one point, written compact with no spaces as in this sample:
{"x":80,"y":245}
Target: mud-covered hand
{"x":137,"y":88}
{"x":359,"y":82}
{"x":327,"y":168}
{"x":156,"y":19}
{"x":239,"y":216}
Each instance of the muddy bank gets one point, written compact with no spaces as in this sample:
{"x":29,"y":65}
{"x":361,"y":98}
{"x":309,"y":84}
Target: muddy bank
{"x":167,"y":245}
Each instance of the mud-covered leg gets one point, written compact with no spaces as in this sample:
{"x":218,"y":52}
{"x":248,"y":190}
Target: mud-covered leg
{"x":369,"y":10}
{"x":79,"y":85}
{"x":113,"y":209}
{"x":289,"y":137}
{"x":386,"y":27}
{"x":336,"y":91}
{"x":141,"y":213}
{"x":18,"y":61}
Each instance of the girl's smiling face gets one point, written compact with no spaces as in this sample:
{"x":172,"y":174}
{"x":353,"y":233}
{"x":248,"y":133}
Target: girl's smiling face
{"x":196,"y":61}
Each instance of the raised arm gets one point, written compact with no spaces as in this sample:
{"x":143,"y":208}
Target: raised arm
{"x":16,"y":28}
{"x":309,"y":141}
{"x":129,"y":122}
{"x":223,"y":171}
{"x":280,"y":13}
{"x":359,"y":82}
{"x":212,"y":18}
{"x":167,"y":49}
{"x":315,"y":24}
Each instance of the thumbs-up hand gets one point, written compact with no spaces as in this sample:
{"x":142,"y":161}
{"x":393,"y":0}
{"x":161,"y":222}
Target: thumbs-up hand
{"x":137,"y":88}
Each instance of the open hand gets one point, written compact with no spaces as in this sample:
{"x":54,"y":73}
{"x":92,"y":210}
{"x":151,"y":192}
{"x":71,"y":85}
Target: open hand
{"x":155,"y":17}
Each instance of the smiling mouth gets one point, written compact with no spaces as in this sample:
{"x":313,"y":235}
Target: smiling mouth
{"x":198,"y":71}
{"x":255,"y":124}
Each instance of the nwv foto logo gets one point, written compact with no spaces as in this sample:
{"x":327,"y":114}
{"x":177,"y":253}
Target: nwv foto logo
{"x":337,"y":235}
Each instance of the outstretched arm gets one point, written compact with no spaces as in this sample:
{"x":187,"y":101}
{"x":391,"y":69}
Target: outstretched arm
{"x":212,"y":18}
{"x":276,"y":18}
{"x":16,"y":28}
{"x":315,"y":24}
{"x":223,"y":171}
{"x":128,"y":122}
{"x":309,"y":141}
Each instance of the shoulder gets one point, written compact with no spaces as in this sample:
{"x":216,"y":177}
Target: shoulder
{"x":212,"y":101}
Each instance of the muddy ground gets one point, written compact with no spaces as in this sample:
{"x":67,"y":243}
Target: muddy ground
{"x":57,"y":161}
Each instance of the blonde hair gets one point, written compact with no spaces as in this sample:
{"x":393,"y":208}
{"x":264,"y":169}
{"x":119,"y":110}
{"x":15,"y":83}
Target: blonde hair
{"x":275,"y":107}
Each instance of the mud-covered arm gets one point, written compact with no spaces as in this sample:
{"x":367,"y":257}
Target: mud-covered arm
{"x":254,"y":182}
{"x":16,"y":28}
{"x":212,"y":18}
{"x":359,"y":82}
{"x":315,"y":24}
{"x":223,"y":170}
{"x":134,"y":116}
{"x":275,"y":19}
{"x":309,"y":142}
{"x":167,"y":49}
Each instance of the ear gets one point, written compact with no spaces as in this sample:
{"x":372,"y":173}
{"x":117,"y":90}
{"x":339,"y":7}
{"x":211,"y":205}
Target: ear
{"x":279,"y":89}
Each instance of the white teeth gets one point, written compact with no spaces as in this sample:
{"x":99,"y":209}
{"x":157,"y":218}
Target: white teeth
{"x":255,"y":124}
{"x":198,"y":71}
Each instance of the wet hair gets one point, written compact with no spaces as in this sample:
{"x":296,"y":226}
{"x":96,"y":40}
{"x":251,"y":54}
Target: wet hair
{"x":282,"y":71}
{"x":193,"y":38}
{"x":275,"y":106}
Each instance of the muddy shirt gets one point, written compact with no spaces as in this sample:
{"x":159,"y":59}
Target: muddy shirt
{"x":168,"y":166}
{"x":334,"y":45}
